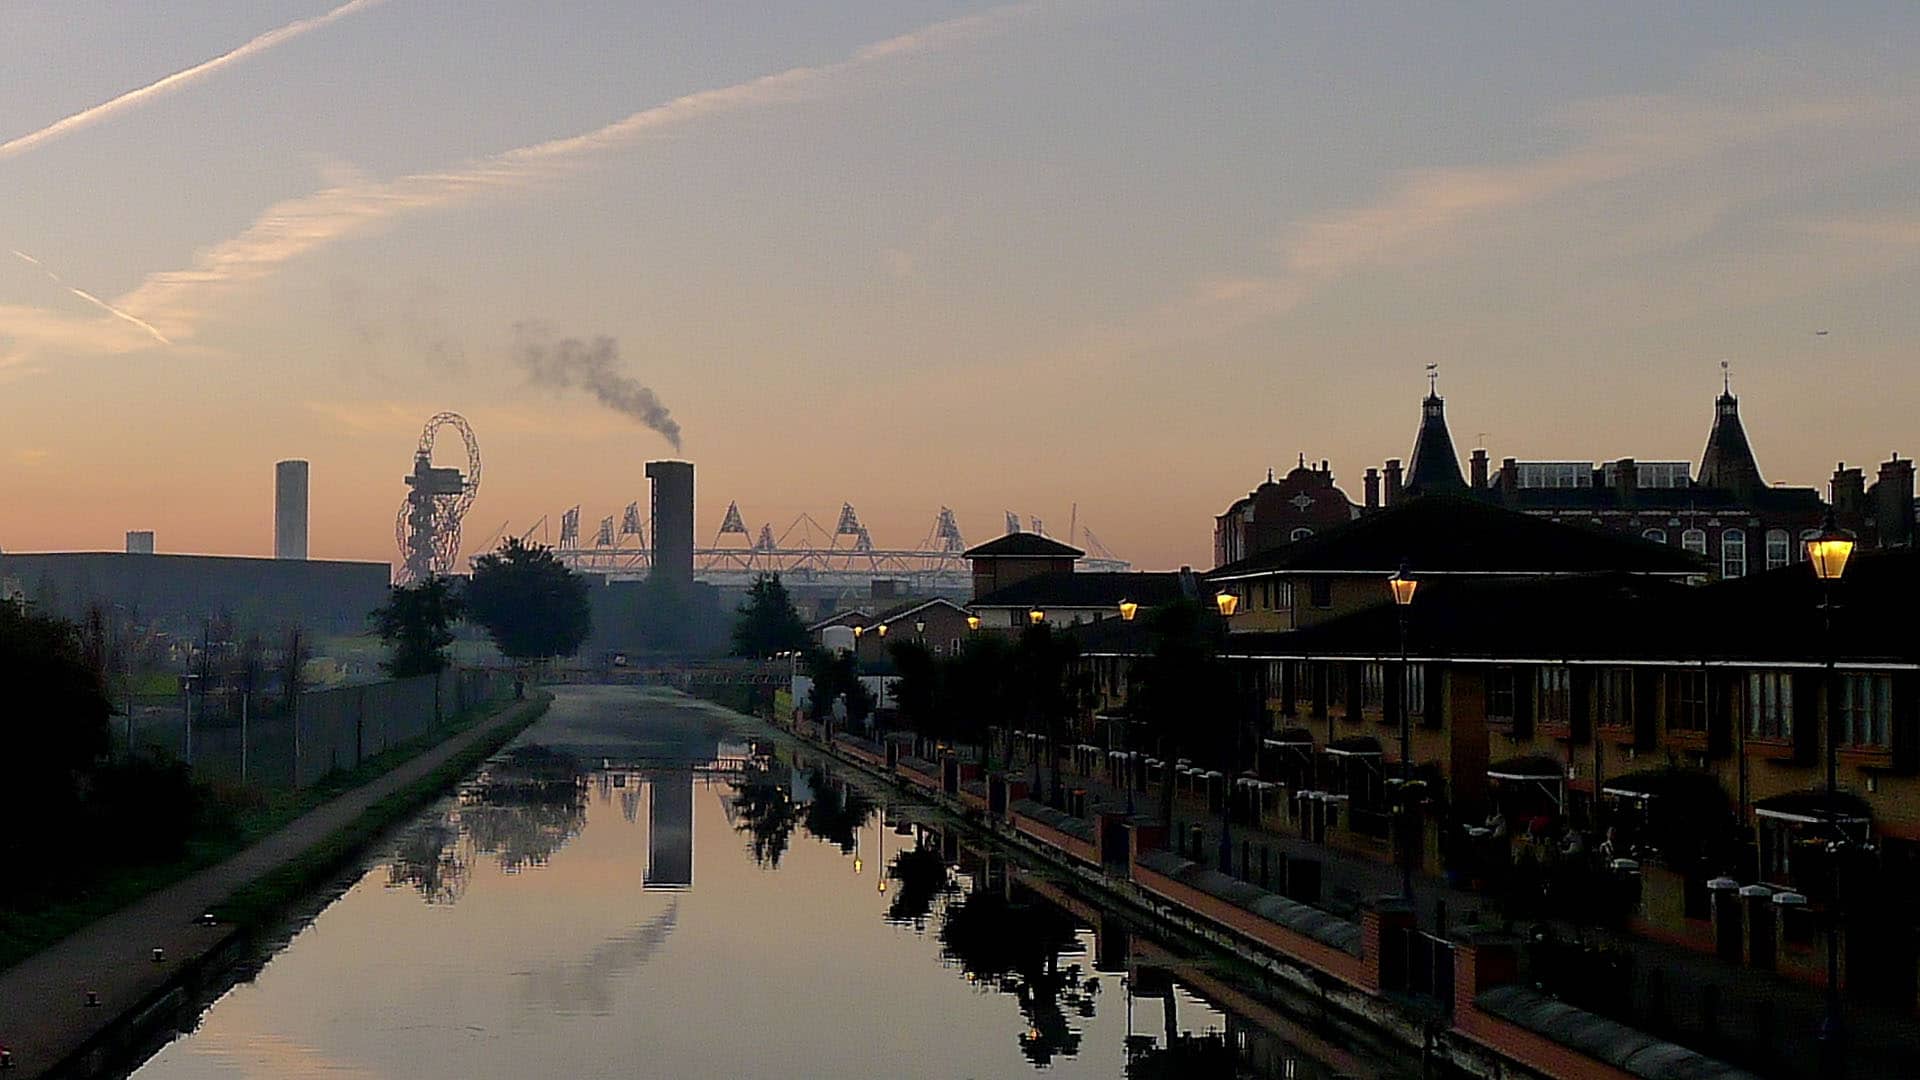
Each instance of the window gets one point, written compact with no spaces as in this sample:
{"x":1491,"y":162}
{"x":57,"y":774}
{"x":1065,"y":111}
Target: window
{"x":1298,"y":535}
{"x":1416,"y":689}
{"x":1280,"y":595}
{"x":1550,"y":691}
{"x":1695,"y":541}
{"x":1613,"y":697}
{"x":1320,"y":593}
{"x":1373,"y":686}
{"x":1733,"y":554}
{"x":1770,"y":705}
{"x":1658,"y":536}
{"x":1779,"y":548}
{"x":1687,"y":701}
{"x":1866,"y":709}
{"x":1337,"y":685}
{"x":1500,"y":695}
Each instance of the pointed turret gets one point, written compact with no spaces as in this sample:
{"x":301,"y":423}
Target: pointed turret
{"x":1434,"y":466}
{"x":1728,"y":461}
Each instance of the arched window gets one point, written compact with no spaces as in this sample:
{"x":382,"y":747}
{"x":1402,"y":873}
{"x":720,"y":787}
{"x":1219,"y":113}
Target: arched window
{"x":1695,"y":541}
{"x":1779,"y":548}
{"x":1658,"y":536}
{"x":1300,"y":534}
{"x":1733,"y":554}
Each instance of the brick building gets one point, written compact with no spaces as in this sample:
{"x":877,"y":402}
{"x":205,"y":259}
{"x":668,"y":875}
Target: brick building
{"x":1299,"y":505}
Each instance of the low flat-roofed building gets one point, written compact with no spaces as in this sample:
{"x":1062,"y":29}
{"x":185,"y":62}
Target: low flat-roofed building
{"x":181,"y":592}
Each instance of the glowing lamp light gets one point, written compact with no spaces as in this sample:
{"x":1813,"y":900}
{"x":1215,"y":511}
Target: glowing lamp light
{"x":1128,"y":609}
{"x":857,"y":864}
{"x":883,"y":883}
{"x":1226,"y":602}
{"x":973,"y":622}
{"x":1036,"y":616}
{"x":920,"y":627}
{"x":858,"y":630}
{"x":1829,"y":552}
{"x":1403,"y":585}
{"x":883,"y":629}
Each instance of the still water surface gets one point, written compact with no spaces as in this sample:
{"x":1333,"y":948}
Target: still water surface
{"x":629,"y":891}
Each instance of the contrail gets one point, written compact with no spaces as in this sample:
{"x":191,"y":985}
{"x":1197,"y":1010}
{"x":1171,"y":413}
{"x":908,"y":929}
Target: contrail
{"x":177,"y":80}
{"x":90,"y":298}
{"x":294,"y":227}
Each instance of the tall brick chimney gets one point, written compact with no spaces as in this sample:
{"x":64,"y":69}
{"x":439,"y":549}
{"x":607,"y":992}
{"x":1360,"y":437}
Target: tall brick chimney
{"x":1393,"y":480}
{"x":1626,"y":479}
{"x":1477,"y":470}
{"x":1893,"y":503}
{"x":1373,"y":490}
{"x":1509,"y":475}
{"x":1849,"y":495}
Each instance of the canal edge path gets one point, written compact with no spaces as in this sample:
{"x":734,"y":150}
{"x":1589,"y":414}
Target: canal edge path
{"x":46,"y":1022}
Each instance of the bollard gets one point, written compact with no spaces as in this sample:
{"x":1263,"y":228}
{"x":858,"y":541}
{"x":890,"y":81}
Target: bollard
{"x":1197,"y":839}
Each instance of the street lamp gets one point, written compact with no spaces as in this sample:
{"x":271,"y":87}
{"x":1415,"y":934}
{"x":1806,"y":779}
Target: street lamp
{"x":1227,"y":602}
{"x":883,"y":629}
{"x":1828,"y":553}
{"x":1128,"y":609}
{"x":920,"y":628}
{"x":973,"y":622}
{"x":1404,"y":585}
{"x":1036,"y":617}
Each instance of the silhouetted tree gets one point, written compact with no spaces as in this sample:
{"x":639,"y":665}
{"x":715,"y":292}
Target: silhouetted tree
{"x":767,"y":622}
{"x":528,"y":602}
{"x":1016,"y":944}
{"x":1182,"y":685}
{"x":837,"y":675}
{"x":836,"y":813}
{"x":978,"y":689}
{"x":416,"y":624}
{"x":1042,"y":665}
{"x":922,"y":875}
{"x":55,"y":729}
{"x":919,"y":692}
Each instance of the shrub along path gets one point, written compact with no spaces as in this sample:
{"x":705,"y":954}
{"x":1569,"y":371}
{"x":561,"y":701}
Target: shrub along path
{"x":44,"y":1016}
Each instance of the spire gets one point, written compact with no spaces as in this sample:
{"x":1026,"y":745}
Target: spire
{"x":1728,"y":461}
{"x":1434,"y":465}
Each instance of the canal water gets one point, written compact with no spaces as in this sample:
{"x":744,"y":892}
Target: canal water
{"x":631,"y":890}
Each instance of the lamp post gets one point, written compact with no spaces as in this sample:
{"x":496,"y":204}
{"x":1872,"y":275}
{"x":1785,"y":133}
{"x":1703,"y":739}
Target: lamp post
{"x":1828,"y":553}
{"x":973,"y":624}
{"x":1403,"y":585}
{"x":1227,"y":602}
{"x":1128,"y":609}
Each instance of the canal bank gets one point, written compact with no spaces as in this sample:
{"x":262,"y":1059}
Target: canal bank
{"x":1356,"y":974}
{"x":637,"y":887}
{"x":84,"y":1003}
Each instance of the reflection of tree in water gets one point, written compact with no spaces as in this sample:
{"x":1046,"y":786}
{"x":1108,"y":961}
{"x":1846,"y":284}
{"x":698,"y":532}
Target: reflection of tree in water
{"x":1015,"y":945}
{"x":836,"y":813}
{"x":922,"y":875}
{"x":526,"y":807}
{"x":763,"y":808}
{"x":428,"y":859}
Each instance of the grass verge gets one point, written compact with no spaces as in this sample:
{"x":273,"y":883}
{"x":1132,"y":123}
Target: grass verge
{"x":263,"y":900}
{"x":23,"y":933}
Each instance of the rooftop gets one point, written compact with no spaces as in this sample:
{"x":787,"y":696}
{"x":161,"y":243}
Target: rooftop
{"x":1087,"y":590}
{"x":1455,"y":534}
{"x":1024,"y":545}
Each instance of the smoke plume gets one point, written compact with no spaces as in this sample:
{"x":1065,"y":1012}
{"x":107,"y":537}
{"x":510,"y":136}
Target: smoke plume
{"x":593,"y":366}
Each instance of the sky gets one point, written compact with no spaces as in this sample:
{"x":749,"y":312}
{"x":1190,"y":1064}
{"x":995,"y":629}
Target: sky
{"x":1082,"y":260}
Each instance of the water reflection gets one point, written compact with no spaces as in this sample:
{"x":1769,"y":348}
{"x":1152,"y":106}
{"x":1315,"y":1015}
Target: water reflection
{"x":787,"y":959}
{"x":837,"y":811}
{"x":763,"y":807}
{"x":525,"y":807}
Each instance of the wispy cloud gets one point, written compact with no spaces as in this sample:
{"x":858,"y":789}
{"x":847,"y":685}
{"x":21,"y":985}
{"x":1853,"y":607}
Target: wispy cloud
{"x":176,"y":300}
{"x":177,"y":81}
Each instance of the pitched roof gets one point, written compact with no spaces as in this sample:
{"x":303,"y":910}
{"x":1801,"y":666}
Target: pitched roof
{"x":1434,"y":465}
{"x":1081,"y":590}
{"x":1452,"y":534}
{"x":1728,"y":460}
{"x":1024,"y":545}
